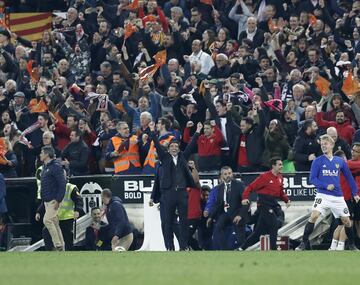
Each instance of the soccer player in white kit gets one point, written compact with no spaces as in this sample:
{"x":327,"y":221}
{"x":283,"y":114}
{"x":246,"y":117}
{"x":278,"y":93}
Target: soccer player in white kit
{"x":325,"y":175}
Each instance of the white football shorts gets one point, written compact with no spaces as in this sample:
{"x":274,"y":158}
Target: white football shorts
{"x":336,"y":205}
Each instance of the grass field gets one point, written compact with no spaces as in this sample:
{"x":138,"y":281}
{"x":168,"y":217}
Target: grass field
{"x":185,"y":268}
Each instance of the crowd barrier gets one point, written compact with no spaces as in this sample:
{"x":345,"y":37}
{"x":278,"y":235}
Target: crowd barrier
{"x":22,"y":203}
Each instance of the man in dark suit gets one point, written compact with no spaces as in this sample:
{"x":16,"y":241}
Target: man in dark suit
{"x":174,"y":180}
{"x":228,"y":209}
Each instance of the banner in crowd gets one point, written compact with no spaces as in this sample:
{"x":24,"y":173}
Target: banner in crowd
{"x":30,"y":25}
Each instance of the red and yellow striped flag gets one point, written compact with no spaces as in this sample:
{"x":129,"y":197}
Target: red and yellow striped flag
{"x":30,"y":25}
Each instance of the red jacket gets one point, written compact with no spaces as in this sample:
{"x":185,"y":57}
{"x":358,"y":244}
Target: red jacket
{"x":267,"y":184}
{"x":62,"y":134}
{"x":194,"y":203}
{"x":207,"y":146}
{"x":345,"y":131}
{"x":354,"y":166}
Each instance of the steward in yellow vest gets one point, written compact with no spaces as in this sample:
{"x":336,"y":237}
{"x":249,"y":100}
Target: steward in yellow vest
{"x":123,"y":149}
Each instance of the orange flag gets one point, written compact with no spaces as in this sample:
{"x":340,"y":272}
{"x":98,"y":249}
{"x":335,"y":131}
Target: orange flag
{"x":133,"y":6}
{"x":350,"y":85}
{"x":148,"y":71}
{"x":160,"y":59}
{"x":3,"y":150}
{"x":322,"y":85}
{"x":207,"y":2}
{"x":36,"y":106}
{"x":2,"y":147}
{"x":129,"y":30}
{"x":312,"y":20}
{"x":4,"y":18}
{"x":120,"y":107}
{"x":272,"y":26}
{"x":33,"y":72}
{"x":150,"y":18}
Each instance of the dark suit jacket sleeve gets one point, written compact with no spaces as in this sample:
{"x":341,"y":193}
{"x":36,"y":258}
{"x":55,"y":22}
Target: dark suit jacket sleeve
{"x":159,"y":149}
{"x":189,"y":148}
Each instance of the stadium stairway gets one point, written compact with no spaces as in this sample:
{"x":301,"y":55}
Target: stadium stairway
{"x":79,"y":235}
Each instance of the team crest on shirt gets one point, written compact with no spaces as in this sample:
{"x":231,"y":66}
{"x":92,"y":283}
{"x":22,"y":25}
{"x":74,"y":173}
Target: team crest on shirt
{"x":337,"y":165}
{"x":346,"y":211}
{"x":211,"y":140}
{"x":280,"y":180}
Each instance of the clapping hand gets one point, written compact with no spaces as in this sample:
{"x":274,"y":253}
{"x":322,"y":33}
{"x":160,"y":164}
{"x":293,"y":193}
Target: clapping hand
{"x":199,"y":127}
{"x":152,"y":126}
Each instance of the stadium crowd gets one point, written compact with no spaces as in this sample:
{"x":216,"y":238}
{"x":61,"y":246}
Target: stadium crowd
{"x":235,"y":82}
{"x":265,"y":78}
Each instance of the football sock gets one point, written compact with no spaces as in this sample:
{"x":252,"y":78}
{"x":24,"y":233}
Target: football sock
{"x":341,"y":245}
{"x":334,"y":244}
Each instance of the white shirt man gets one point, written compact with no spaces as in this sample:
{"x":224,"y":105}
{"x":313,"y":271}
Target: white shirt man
{"x":201,"y":57}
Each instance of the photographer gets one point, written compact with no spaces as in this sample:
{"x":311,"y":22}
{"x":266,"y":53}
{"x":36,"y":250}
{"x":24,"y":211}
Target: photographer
{"x":96,"y":235}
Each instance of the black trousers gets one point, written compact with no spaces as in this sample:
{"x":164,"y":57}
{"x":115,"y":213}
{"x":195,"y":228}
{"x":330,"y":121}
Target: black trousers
{"x":176,"y":200}
{"x":193,"y":226}
{"x":223,"y":221}
{"x":266,"y":224}
{"x":169,"y":243}
{"x":66,"y":227}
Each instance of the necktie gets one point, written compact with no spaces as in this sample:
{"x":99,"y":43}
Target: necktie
{"x":228,"y":189}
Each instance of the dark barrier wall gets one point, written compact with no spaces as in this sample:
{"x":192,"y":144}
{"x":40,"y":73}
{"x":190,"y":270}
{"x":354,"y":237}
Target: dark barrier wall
{"x":21,"y":192}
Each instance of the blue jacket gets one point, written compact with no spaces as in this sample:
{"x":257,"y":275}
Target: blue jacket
{"x":53,"y":182}
{"x":212,"y":199}
{"x":118,"y":219}
{"x":3,"y":208}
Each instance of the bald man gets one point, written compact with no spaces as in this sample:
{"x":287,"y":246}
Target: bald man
{"x":198,"y":55}
{"x":340,"y":144}
{"x":222,"y":68}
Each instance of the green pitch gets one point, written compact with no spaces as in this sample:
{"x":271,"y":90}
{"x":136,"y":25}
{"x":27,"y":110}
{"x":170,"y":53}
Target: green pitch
{"x":185,"y":268}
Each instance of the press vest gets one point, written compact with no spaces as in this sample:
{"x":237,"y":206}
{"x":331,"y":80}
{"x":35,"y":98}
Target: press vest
{"x":66,"y":210}
{"x":151,"y":156}
{"x":122,"y":163}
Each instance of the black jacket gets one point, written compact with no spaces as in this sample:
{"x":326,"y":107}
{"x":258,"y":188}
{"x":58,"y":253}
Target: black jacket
{"x":52,"y":182}
{"x":77,"y":153}
{"x":235,"y":206}
{"x":118,"y":219}
{"x":255,"y":142}
{"x":168,"y":168}
{"x":156,"y":193}
{"x":341,"y":144}
{"x":257,"y":40}
{"x":305,"y":145}
{"x":99,"y":240}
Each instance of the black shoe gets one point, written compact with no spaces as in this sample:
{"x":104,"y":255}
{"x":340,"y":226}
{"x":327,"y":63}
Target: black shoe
{"x":352,"y":247}
{"x":184,"y":249}
{"x":303,"y":246}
